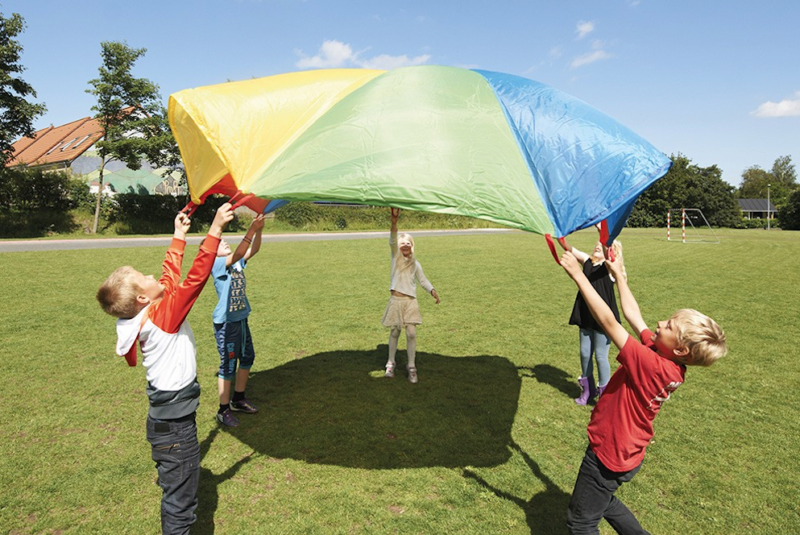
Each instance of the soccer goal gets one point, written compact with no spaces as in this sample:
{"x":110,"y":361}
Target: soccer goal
{"x":694,"y":225}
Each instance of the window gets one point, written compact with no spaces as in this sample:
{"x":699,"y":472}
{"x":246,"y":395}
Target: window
{"x":84,"y":138}
{"x":67,"y":144}
{"x":54,"y":148}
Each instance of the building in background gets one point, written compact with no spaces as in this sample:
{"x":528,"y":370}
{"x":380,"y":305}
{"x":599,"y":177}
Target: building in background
{"x":757,"y":209}
{"x":72,"y":147}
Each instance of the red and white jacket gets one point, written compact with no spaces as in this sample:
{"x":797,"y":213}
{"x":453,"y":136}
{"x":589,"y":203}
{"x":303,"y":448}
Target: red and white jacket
{"x":166,"y":339}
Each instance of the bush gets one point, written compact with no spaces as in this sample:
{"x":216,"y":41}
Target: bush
{"x":134,"y":213}
{"x":24,"y":189}
{"x":310,"y":216}
{"x":37,"y":203}
{"x":755,"y":223}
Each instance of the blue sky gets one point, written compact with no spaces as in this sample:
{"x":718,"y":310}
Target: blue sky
{"x":718,"y":81}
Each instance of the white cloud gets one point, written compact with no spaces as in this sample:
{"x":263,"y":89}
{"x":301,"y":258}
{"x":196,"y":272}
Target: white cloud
{"x":591,"y":57}
{"x":584,"y":28}
{"x":335,"y":54}
{"x":784,"y":108}
{"x":332,"y":54}
{"x":555,"y":52}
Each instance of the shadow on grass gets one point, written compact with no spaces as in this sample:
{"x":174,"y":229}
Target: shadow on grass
{"x":555,"y":377}
{"x":336,"y":408}
{"x":207,"y":494}
{"x":545,"y":512}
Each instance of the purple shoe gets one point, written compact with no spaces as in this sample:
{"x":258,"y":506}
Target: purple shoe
{"x":244,"y":405}
{"x":583,"y":382}
{"x":227,"y":419}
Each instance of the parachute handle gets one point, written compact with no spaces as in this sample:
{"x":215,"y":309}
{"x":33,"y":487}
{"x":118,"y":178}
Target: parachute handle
{"x":189,"y":209}
{"x":604,"y":240}
{"x":549,"y":239}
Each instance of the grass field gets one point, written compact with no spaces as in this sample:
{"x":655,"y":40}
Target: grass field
{"x":489,"y":441}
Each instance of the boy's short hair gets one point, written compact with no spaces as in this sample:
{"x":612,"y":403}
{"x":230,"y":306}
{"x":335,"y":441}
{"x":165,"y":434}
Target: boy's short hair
{"x":117,"y":295}
{"x":701,"y":335}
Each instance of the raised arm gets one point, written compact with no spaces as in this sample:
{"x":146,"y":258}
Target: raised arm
{"x":178,"y":300}
{"x":630,"y":308}
{"x":393,"y":231}
{"x":580,"y":255}
{"x":250,"y":244}
{"x":171,"y":267}
{"x":599,"y":309}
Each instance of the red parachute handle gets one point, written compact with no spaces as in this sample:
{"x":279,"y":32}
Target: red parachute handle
{"x":604,"y":240}
{"x":191,"y":207}
{"x":549,"y":239}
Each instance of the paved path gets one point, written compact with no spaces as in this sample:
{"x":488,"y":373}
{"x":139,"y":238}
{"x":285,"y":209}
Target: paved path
{"x":111,"y":243}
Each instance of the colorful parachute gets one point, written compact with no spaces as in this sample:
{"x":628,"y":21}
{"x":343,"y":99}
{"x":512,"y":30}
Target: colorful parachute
{"x":439,"y":139}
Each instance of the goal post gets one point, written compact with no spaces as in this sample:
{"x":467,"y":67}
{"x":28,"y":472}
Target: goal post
{"x":694,"y":225}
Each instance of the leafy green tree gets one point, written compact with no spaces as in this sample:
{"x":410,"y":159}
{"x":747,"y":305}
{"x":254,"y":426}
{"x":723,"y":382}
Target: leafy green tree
{"x":687,"y":186}
{"x":782,"y":181}
{"x":789,"y":214}
{"x":16,"y":113}
{"x":130,"y":113}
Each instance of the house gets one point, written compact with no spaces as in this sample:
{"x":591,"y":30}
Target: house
{"x":757,"y":209}
{"x":72,"y":147}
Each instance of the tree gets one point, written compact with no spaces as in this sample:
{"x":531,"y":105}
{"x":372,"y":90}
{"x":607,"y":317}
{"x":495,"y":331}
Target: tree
{"x":782,"y":181}
{"x":16,"y":113}
{"x":687,"y":186}
{"x":789,"y":214}
{"x":129,"y":111}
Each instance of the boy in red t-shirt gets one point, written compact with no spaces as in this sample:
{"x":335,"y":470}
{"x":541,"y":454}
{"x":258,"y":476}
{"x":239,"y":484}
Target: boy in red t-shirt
{"x":621,"y":424}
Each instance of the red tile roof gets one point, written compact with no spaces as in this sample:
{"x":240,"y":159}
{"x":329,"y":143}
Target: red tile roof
{"x":57,"y":144}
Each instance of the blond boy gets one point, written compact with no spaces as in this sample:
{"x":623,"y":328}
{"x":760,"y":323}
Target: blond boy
{"x":153,"y":312}
{"x":621,"y":425}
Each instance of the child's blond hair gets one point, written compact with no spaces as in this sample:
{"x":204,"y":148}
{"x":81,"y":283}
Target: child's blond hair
{"x":701,"y":335}
{"x":117,"y":295}
{"x":408,"y":237}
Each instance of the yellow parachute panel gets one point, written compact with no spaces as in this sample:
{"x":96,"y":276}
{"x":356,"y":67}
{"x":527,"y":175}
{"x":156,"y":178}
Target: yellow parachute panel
{"x":221,"y":129}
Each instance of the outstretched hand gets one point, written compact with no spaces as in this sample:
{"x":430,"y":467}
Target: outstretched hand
{"x":615,"y":267}
{"x":258,"y":223}
{"x":182,"y":224}
{"x":221,"y":219}
{"x":436,"y":296}
{"x":571,"y":264}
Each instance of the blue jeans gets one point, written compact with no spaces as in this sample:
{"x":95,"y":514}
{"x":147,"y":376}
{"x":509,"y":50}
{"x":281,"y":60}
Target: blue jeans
{"x":593,"y":499}
{"x":598,"y":343}
{"x":235,"y":344}
{"x":176,"y":453}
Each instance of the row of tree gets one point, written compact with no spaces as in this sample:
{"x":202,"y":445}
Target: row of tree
{"x":687,"y":185}
{"x":135,"y":129}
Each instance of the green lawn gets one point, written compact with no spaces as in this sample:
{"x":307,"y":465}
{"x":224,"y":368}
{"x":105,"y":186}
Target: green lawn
{"x":488,"y":442}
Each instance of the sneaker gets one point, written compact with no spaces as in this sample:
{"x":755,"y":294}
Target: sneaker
{"x":227,"y":418}
{"x":412,"y":376}
{"x":244,"y":405}
{"x":389,"y":371}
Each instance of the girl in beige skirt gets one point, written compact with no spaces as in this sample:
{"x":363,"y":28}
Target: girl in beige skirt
{"x":403,"y":309}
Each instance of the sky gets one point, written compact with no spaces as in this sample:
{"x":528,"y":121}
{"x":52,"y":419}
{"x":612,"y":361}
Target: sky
{"x":717,"y":81}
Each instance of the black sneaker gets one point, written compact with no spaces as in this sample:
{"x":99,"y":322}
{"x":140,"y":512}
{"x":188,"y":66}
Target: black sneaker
{"x":227,"y":418}
{"x":244,"y":405}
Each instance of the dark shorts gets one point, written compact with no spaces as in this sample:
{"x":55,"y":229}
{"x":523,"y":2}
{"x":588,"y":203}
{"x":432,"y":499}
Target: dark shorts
{"x":234,"y":344}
